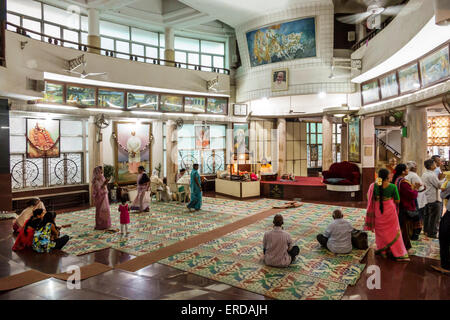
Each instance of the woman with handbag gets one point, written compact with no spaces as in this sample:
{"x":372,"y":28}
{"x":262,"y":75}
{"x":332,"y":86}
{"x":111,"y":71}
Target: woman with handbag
{"x":408,"y":213}
{"x":382,"y":217}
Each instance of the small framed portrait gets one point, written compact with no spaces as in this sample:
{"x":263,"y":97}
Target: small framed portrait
{"x":280,"y":80}
{"x":240,"y":110}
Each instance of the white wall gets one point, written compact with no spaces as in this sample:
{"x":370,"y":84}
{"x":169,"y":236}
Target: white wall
{"x":38,"y":57}
{"x":306,"y":76}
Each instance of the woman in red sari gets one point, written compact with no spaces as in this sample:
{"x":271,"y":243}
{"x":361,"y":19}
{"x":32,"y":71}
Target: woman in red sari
{"x":26,"y":233}
{"x":382,"y":218}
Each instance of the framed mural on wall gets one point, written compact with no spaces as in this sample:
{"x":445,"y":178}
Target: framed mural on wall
{"x":133,"y":149}
{"x":217,"y":105}
{"x":408,"y":78}
{"x":81,"y":96}
{"x":354,"y":140}
{"x":202,"y":137}
{"x":280,"y":80}
{"x":54,"y":92}
{"x":370,"y":92}
{"x":144,"y":101}
{"x":282,"y":42}
{"x":389,"y":86}
{"x":435,"y":66}
{"x":195,"y":104}
{"x":171,"y":103}
{"x":111,"y":99}
{"x":240,"y":139}
{"x":43,"y":138}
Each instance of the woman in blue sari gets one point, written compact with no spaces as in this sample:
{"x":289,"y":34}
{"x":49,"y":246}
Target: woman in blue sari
{"x":196,"y":190}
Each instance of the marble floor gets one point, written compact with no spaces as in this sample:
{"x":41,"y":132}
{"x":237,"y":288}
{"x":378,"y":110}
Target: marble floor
{"x":413,"y":280}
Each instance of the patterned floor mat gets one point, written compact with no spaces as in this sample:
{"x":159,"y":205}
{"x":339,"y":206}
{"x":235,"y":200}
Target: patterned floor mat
{"x":165,"y":224}
{"x":8,"y":215}
{"x":235,"y":259}
{"x":426,"y":248}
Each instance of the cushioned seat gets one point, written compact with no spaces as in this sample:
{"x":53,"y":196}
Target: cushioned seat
{"x":342,"y":173}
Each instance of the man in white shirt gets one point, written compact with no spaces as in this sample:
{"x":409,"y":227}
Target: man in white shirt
{"x":433,"y":209}
{"x":338,"y":236}
{"x":438,"y":162}
{"x":414,"y":178}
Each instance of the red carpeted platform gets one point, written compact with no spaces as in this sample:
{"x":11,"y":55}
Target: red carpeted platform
{"x":300,"y":181}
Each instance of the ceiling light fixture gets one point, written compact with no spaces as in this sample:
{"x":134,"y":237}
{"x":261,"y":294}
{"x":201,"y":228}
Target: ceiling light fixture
{"x":104,"y":110}
{"x":322,"y":94}
{"x":55,"y":106}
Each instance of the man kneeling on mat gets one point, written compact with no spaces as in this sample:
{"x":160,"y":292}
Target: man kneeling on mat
{"x":277,"y":245}
{"x":338,"y":236}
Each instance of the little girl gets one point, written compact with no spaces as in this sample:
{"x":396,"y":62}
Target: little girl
{"x":124,"y":217}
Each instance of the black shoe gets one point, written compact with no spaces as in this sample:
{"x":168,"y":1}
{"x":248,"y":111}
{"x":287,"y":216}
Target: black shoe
{"x":415,"y":237}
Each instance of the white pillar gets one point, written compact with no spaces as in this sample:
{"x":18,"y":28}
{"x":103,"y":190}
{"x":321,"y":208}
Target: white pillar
{"x":169,"y":51}
{"x":93,"y":30}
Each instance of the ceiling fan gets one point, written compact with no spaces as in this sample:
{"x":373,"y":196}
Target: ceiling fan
{"x":375,"y":9}
{"x":84,"y":74}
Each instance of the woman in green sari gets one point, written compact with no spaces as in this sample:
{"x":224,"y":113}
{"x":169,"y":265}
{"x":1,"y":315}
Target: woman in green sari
{"x":196,"y":190}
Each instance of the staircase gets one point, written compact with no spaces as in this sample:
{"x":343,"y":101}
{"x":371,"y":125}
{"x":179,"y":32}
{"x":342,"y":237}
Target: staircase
{"x":387,"y":151}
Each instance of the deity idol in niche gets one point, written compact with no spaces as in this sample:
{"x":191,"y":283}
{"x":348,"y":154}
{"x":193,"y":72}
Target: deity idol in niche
{"x":240,"y":146}
{"x":134,"y":152}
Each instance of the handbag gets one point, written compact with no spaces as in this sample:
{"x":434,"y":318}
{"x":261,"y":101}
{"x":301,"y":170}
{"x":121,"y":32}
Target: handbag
{"x":359,"y":239}
{"x":412,"y":214}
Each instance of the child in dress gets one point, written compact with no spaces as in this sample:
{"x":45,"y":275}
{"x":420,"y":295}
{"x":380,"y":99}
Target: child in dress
{"x":124,"y":216}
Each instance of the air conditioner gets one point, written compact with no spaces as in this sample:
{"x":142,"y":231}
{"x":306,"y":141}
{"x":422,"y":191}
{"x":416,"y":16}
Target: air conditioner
{"x":35,"y":85}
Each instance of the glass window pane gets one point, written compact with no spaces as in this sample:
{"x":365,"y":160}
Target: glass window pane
{"x":313,"y":139}
{"x":71,"y":144}
{"x":34,"y":26}
{"x":138,"y":50}
{"x":17,"y":126}
{"x":151,"y":52}
{"x":319,"y":127}
{"x":319,"y":139}
{"x":187,"y":44}
{"x":114,"y":30}
{"x":161,"y":53}
{"x":313,"y":128}
{"x":218,"y":62}
{"x":62,"y":17}
{"x":71,"y":128}
{"x":71,"y":36}
{"x":51,"y":30}
{"x":12,"y":18}
{"x":162,"y":40}
{"x":84,"y":38}
{"x":123,"y":47}
{"x":143,"y":36}
{"x":106,"y":43}
{"x":25,"y":7}
{"x":206,"y":61}
{"x":193,"y":58}
{"x":84,"y":23}
{"x":339,"y":138}
{"x":180,"y":57}
{"x":213,"y":47}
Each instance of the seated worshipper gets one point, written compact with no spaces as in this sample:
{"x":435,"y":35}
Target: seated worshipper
{"x":27,"y":213}
{"x":444,"y":233}
{"x":338,"y":236}
{"x":26,"y":233}
{"x":180,"y":174}
{"x":166,"y":195}
{"x":277,"y":245}
{"x":46,"y":236}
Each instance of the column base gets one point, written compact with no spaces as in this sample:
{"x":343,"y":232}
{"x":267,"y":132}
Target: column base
{"x":95,"y":42}
{"x":169,"y":54}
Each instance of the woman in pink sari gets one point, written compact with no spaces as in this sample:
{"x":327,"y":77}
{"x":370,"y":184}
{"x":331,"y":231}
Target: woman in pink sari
{"x":382,"y":218}
{"x":100,"y":196}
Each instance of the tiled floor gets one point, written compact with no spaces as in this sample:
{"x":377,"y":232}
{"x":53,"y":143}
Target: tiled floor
{"x":413,"y":280}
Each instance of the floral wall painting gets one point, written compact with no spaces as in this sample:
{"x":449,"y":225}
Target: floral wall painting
{"x":133,"y":150}
{"x":389,"y":86}
{"x":43,"y":138}
{"x":145,"y":101}
{"x":409,"y":78}
{"x":81,"y":96}
{"x":54,"y":93}
{"x":194,"y":104}
{"x":370,"y":92}
{"x":435,"y":66}
{"x":354,"y":140}
{"x":217,"y":105}
{"x":111,"y":99}
{"x":171,"y":103}
{"x":202,"y":137}
{"x":282,"y":42}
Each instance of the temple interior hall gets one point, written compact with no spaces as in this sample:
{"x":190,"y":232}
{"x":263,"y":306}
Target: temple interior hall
{"x":224,"y":150}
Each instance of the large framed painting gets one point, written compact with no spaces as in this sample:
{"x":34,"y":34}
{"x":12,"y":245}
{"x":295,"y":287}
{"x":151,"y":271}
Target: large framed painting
{"x":171,"y":103}
{"x":111,"y":99}
{"x":240,"y":139}
{"x":81,"y":96}
{"x":435,"y":67}
{"x":195,"y":104}
{"x":217,"y":105}
{"x":202,"y":137}
{"x":408,"y":78}
{"x":144,"y":101}
{"x":133,"y":149}
{"x":282,"y":42}
{"x":389,"y":86}
{"x":280,"y":80}
{"x":43,"y":138}
{"x":354,"y":140}
{"x":369,"y":91}
{"x":54,"y":92}
{"x":313,"y":152}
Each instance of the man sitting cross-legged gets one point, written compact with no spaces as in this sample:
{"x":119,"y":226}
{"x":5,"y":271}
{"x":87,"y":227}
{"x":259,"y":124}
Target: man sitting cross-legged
{"x":277,"y":245}
{"x":338,"y":236}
